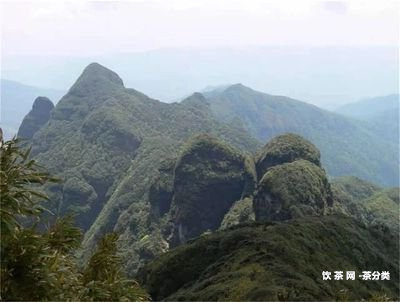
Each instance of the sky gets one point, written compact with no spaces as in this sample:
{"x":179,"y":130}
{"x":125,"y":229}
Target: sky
{"x":323,"y":52}
{"x":82,"y":28}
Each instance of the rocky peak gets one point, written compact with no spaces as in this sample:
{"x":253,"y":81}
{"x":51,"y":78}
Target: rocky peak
{"x":36,"y":118}
{"x":96,"y":78}
{"x":286,"y":148}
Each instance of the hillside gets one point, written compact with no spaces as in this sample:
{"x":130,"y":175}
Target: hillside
{"x":162,"y":174}
{"x":348,"y":147}
{"x":277,"y":262}
{"x":36,"y":118}
{"x":367,"y":202}
{"x":16,"y":101}
{"x":379,"y":114}
{"x":107,"y":143}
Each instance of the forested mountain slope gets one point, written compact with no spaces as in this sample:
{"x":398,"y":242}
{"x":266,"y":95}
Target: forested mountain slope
{"x":348,"y":147}
{"x":107,"y":143}
{"x":278,"y":262}
{"x":380,"y":114}
{"x":145,"y":169}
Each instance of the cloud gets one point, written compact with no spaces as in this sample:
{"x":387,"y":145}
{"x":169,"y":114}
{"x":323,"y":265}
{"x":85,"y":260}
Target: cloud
{"x":336,"y":7}
{"x":92,"y":28}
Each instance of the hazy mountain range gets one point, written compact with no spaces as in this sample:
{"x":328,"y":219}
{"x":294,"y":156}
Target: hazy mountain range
{"x":16,"y":101}
{"x":324,"y":76}
{"x":221,"y":167}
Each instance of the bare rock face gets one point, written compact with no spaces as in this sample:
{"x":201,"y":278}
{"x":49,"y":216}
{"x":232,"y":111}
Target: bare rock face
{"x":36,"y":118}
{"x":209,"y":177}
{"x":286,"y":148}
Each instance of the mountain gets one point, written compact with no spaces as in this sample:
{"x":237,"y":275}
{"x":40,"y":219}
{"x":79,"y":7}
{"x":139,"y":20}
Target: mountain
{"x":348,"y":146}
{"x":163,"y":174}
{"x":302,"y":72}
{"x":36,"y":118}
{"x":278,"y":261}
{"x":367,"y":202}
{"x":380,"y":114}
{"x":367,"y":108}
{"x":109,"y":145}
{"x":16,"y":101}
{"x":303,"y":226}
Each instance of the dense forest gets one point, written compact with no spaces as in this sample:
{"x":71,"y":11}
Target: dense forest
{"x":231,"y":194}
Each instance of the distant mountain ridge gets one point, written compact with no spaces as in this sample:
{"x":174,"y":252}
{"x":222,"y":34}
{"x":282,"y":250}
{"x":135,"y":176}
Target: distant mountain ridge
{"x":16,"y":102}
{"x":348,"y":146}
{"x":380,"y":114}
{"x":132,"y":164}
{"x":370,"y":107}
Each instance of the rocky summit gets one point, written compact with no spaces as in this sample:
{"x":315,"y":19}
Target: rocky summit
{"x":36,"y":118}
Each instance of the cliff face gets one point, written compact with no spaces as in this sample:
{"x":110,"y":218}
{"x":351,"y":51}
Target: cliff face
{"x":36,"y":118}
{"x":209,"y":177}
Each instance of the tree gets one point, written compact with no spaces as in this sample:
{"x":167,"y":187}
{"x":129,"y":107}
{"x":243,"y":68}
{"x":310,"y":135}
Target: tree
{"x":103,"y":277}
{"x":39,"y":263}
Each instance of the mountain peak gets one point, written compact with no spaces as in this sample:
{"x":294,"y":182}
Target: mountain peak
{"x":196,"y":99}
{"x":96,"y":77}
{"x":237,"y":87}
{"x":36,"y":118}
{"x":42,"y":104}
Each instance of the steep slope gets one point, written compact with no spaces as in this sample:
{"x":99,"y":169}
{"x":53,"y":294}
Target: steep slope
{"x":16,"y":101}
{"x":367,"y":202}
{"x":348,"y":147}
{"x":209,"y":177}
{"x":109,"y":143}
{"x":36,"y":118}
{"x":277,"y":261}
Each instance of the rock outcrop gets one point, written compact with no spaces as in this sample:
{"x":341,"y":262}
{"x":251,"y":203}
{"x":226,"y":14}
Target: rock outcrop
{"x":286,"y":148}
{"x":291,"y":180}
{"x":209,"y":177}
{"x":292,"y":190}
{"x":36,"y":118}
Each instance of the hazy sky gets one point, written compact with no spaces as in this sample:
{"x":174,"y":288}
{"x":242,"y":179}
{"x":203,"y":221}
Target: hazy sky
{"x":323,"y":52}
{"x":92,"y":28}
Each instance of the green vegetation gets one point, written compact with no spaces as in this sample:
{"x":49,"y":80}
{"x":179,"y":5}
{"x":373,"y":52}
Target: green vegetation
{"x":36,"y":118}
{"x":108,"y":143}
{"x":144,"y":169}
{"x":240,"y":212}
{"x":367,"y":202}
{"x":348,"y":146}
{"x":292,"y":190}
{"x":277,"y":262}
{"x":286,"y":148}
{"x":209,"y":177}
{"x":37,"y":262}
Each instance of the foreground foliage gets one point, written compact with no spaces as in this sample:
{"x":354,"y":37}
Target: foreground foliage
{"x":280,"y":261}
{"x":37,"y":261}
